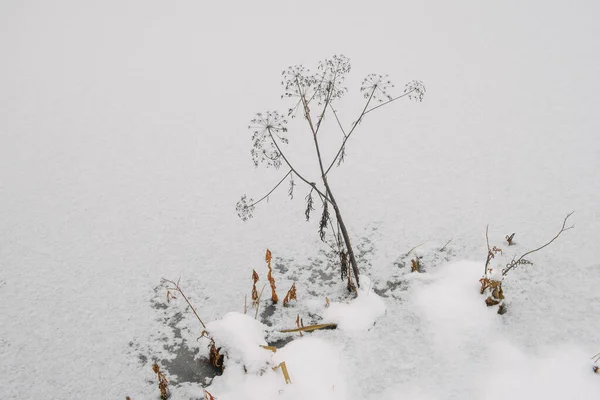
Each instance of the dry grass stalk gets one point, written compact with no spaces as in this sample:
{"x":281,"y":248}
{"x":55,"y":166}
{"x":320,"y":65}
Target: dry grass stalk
{"x":162,"y":382}
{"x":509,"y":239}
{"x":327,"y":303}
{"x":291,"y":295}
{"x":208,"y":396}
{"x":284,"y":369}
{"x":274,"y":297}
{"x":270,"y":348}
{"x":310,"y":328}
{"x":299,"y":324}
{"x":257,"y":305}
{"x":178,"y":288}
{"x":447,"y":243}
{"x":414,"y":248}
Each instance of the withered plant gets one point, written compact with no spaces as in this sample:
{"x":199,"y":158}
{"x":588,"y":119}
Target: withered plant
{"x":491,"y":282}
{"x":270,"y":278}
{"x":291,"y":295}
{"x":215,"y":357}
{"x":163,"y":384}
{"x":415,"y":265}
{"x":509,"y":239}
{"x":314,"y":95}
{"x":254,"y":291}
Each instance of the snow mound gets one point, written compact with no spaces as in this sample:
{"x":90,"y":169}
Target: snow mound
{"x":313,"y":364}
{"x":361,"y":313}
{"x":241,"y":337}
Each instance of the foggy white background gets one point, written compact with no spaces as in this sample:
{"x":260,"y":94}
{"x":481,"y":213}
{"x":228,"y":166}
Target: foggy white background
{"x":124,"y":148}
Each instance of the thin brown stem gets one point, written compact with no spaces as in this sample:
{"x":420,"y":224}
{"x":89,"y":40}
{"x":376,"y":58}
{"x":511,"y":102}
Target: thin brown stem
{"x":514,"y":263}
{"x":447,"y":243}
{"x":338,"y":120}
{"x":311,"y":184}
{"x":178,"y":288}
{"x":272,"y":190}
{"x":389,"y":101}
{"x":350,"y":133}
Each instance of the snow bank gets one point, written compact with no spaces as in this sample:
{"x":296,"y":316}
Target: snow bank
{"x":313,"y":365}
{"x":361,"y":313}
{"x":240,"y":336}
{"x":560,"y":373}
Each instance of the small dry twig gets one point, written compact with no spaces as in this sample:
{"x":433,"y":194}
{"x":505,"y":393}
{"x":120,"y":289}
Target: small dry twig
{"x":509,"y":239}
{"x":447,"y":243}
{"x":416,"y":247}
{"x":208,"y":396}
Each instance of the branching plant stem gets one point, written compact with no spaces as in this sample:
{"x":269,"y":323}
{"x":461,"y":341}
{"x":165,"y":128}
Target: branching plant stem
{"x":514,"y":262}
{"x":272,"y":190}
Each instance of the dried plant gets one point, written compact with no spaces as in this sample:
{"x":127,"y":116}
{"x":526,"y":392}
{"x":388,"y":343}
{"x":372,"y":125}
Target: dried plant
{"x":270,"y":278}
{"x":313,"y":96}
{"x":595,"y":367}
{"x":254,"y":291}
{"x":208,"y":396}
{"x":491,"y":282}
{"x":215,"y":358}
{"x":522,"y":261}
{"x":415,"y":265}
{"x":170,"y":296}
{"x":163,"y":384}
{"x":291,"y":295}
{"x":509,"y":239}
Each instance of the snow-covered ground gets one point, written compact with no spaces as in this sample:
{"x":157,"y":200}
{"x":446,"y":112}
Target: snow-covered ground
{"x":124,"y":148}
